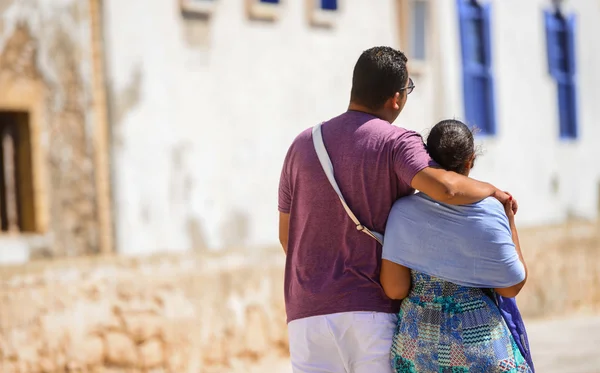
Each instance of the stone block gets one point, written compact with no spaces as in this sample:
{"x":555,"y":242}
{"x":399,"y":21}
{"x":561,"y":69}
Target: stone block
{"x":143,"y":326}
{"x":120,"y":349}
{"x":152,"y":354}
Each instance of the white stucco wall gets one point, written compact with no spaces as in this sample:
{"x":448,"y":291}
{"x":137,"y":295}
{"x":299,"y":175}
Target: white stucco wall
{"x":230,"y":109}
{"x":198,"y":150}
{"x":552,"y":178}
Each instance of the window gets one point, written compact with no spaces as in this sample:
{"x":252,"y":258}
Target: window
{"x":16,"y":182}
{"x":264,"y":10}
{"x":322,"y":13}
{"x":414,"y":25}
{"x":197,"y":6}
{"x":560,"y":45}
{"x":329,"y":5}
{"x":478,"y":79}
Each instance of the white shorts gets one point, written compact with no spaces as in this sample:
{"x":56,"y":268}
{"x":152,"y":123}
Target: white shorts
{"x":349,"y":342}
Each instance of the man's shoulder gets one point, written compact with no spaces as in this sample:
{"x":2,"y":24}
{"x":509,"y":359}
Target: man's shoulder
{"x":390,"y":131}
{"x":302,"y":140}
{"x":304,"y":136}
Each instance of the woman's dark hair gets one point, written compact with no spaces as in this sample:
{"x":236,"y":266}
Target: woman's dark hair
{"x":450,"y":143}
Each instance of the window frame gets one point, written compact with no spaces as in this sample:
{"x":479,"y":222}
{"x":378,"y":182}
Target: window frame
{"x":320,"y":17}
{"x":202,"y":7}
{"x":263,"y":11}
{"x":406,"y":26}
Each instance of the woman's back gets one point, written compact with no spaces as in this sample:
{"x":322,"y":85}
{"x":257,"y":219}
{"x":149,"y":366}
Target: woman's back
{"x":443,"y":256}
{"x":444,"y":327}
{"x":468,"y":245}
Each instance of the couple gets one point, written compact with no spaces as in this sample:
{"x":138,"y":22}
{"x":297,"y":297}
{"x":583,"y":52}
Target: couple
{"x":449,"y":251}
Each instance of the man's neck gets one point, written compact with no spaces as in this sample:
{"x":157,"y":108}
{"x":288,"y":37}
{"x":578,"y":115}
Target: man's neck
{"x":366,"y":110}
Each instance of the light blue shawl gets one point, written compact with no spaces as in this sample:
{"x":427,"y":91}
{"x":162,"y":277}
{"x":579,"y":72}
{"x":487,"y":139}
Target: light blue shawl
{"x":468,"y":245}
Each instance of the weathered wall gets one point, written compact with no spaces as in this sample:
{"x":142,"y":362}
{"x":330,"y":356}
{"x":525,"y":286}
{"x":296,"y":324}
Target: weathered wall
{"x":202,"y":313}
{"x":46,"y":44}
{"x":564,"y":269}
{"x":170,"y":314}
{"x":553,"y":179}
{"x":205,"y":109}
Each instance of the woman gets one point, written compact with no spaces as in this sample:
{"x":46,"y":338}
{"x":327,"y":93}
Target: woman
{"x":449,"y":322}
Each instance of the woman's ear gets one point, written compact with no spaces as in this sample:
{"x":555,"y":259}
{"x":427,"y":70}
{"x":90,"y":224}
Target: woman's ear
{"x":471,"y":163}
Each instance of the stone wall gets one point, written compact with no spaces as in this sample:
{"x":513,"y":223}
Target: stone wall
{"x":167,"y":314}
{"x":564,"y":269}
{"x":215,"y":313}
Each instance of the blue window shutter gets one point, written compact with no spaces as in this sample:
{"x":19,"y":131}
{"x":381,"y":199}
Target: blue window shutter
{"x":567,"y":89}
{"x":567,"y":109}
{"x":270,"y":1}
{"x":560,"y":45}
{"x":463,"y":17}
{"x":552,"y":42}
{"x":571,"y":47}
{"x":466,"y":46}
{"x":329,"y":4}
{"x":478,"y":82}
{"x":489,"y":77}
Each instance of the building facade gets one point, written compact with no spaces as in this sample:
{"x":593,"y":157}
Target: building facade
{"x":136,"y":127}
{"x":208,"y":95}
{"x":165,"y":130}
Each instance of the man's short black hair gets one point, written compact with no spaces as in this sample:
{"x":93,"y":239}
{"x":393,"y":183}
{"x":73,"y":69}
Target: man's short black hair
{"x":379,"y":73}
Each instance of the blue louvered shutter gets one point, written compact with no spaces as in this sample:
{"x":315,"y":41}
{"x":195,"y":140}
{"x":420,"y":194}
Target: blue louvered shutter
{"x":478,"y":80}
{"x":560,"y":44}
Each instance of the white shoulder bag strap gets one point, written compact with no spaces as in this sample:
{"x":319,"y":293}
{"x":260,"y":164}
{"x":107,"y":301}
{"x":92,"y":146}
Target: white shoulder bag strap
{"x":328,"y":168}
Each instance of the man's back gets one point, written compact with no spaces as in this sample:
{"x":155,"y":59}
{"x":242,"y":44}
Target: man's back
{"x":331,"y":267}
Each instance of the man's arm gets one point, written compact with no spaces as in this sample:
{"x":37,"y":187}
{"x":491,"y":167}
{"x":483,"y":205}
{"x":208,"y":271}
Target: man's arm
{"x":284,"y":229}
{"x":454,"y":189}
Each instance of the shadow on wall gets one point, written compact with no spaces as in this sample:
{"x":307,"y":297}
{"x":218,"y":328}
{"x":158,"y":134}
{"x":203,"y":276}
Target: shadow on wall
{"x":122,"y":102}
{"x":196,"y":235}
{"x":196,"y":29}
{"x":235,"y":230}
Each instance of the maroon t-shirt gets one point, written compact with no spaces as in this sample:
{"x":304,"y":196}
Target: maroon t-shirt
{"x":330,"y":266}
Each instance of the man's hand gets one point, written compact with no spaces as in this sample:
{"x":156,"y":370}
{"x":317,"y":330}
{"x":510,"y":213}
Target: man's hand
{"x":509,"y":210}
{"x":505,"y":198}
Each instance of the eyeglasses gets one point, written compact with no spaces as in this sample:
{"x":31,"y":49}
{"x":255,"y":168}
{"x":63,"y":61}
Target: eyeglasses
{"x":409,"y":88}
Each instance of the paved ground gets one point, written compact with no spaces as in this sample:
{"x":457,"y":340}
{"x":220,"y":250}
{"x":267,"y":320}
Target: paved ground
{"x":559,"y":346}
{"x":567,"y":346}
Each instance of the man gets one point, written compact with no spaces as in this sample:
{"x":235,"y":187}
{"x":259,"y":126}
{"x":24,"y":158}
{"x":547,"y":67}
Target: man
{"x":339,"y":318}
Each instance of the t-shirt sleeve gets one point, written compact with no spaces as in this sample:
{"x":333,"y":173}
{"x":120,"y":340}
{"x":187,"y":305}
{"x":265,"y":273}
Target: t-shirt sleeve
{"x":410,"y":156}
{"x":285,"y":189}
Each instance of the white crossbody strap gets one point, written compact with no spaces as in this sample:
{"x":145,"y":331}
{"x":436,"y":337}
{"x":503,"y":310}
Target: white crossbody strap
{"x":328,"y":168}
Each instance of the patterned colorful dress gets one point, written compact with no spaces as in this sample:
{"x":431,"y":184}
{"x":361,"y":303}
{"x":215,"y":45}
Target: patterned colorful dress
{"x":444,"y":327}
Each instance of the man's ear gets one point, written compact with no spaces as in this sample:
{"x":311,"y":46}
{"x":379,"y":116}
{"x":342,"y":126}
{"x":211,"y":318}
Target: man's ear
{"x":394,"y":102}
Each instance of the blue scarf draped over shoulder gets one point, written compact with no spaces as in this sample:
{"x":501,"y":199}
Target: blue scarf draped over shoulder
{"x":468,"y":245}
